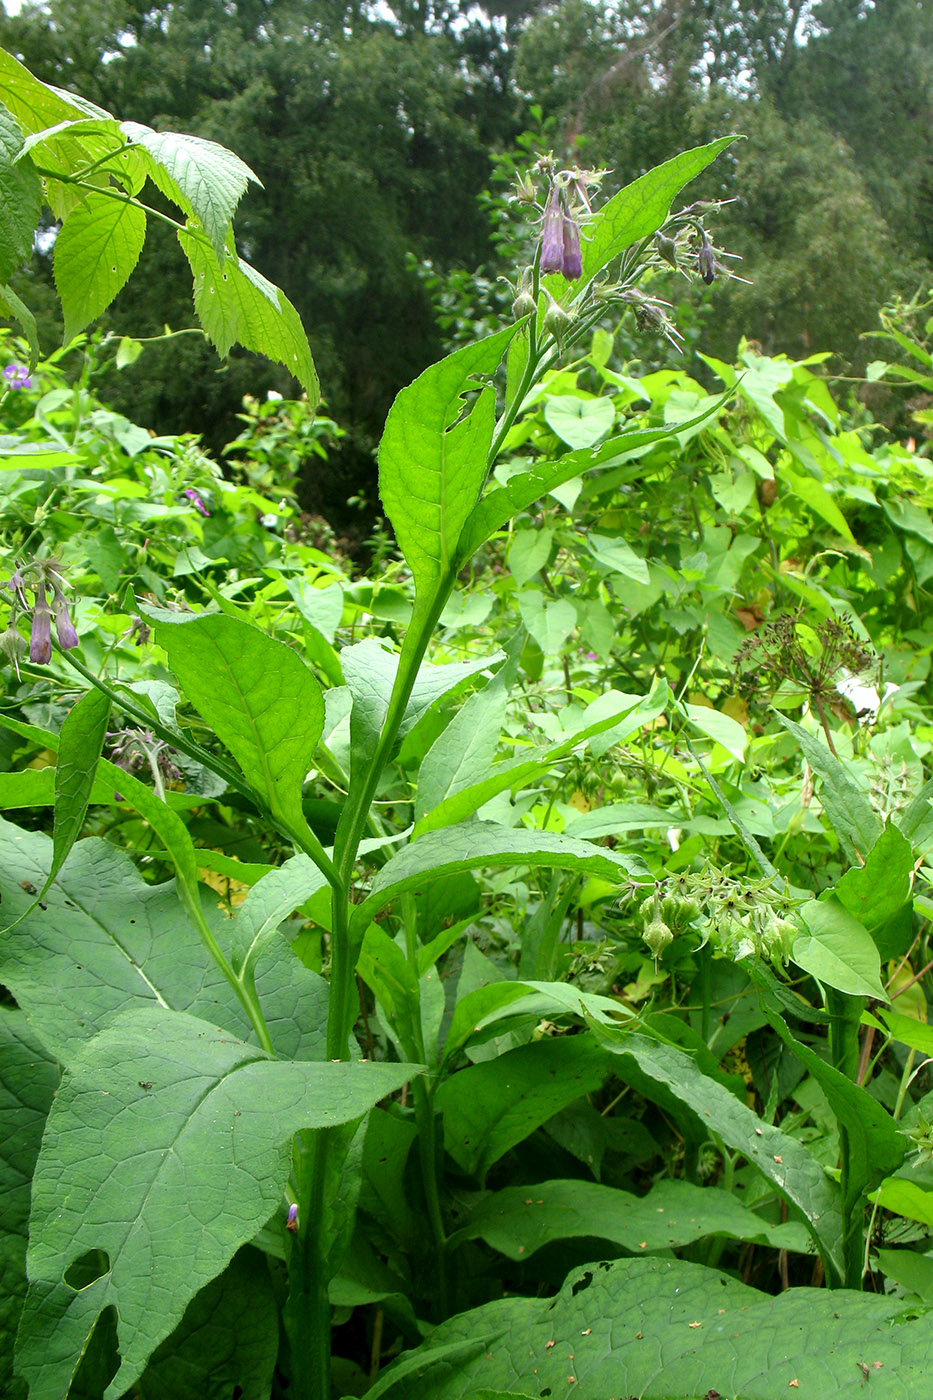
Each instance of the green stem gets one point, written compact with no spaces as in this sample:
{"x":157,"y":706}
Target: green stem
{"x":307,"y":1308}
{"x":846,"y":1014}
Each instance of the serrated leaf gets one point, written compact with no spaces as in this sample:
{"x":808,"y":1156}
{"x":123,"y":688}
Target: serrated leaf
{"x":257,"y":695}
{"x":210,"y":179}
{"x":34,"y":104}
{"x":21,"y":313}
{"x":518,"y":1220}
{"x":20,"y":198}
{"x":236,"y":304}
{"x":95,"y":252}
{"x":433,"y":458}
{"x":168,"y":1148}
{"x":668,"y":1330}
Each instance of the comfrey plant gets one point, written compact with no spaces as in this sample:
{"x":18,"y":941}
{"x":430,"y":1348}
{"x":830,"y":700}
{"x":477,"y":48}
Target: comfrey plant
{"x":220,"y":1138}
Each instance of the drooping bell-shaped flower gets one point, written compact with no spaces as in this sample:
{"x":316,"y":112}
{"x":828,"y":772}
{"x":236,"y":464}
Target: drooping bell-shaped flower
{"x":552,"y":235}
{"x":572,"y":264}
{"x":67,"y":636}
{"x":40,"y":638}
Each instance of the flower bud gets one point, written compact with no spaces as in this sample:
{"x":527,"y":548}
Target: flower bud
{"x":658,"y":936}
{"x":667,"y":248}
{"x":291,"y":1223}
{"x":523,"y":305}
{"x":706,"y":262}
{"x":12,"y":647}
{"x":556,"y":321}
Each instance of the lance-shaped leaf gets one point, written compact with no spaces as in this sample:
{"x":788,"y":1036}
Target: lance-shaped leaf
{"x":524,"y":488}
{"x":81,"y":740}
{"x":663,"y":1329}
{"x":849,"y":811}
{"x":21,"y":313}
{"x":641,"y":208}
{"x":518,"y":1221}
{"x":168,"y":1148}
{"x":433,"y":458}
{"x":20,"y":198}
{"x":234,"y":302}
{"x":257,"y":695}
{"x":473,"y":845}
{"x":782,"y":1159}
{"x":204,"y":178}
{"x":95,"y":252}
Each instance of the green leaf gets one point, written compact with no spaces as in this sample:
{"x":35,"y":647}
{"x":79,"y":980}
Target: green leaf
{"x":519,"y":1220}
{"x":386,"y":971}
{"x":226,"y":1343}
{"x":270,"y":901}
{"x":618,"y":557}
{"x":204,"y":178}
{"x":813,"y":494}
{"x":579,"y":422}
{"x":473,"y":845}
{"x":465,"y":750}
{"x":613,"y":714}
{"x":489,"y":1005}
{"x":168,"y":1148}
{"x":641,"y":208}
{"x":875,"y":1145}
{"x":783,"y":1160}
{"x":20,"y":198}
{"x":35,"y":787}
{"x":433,"y":459}
{"x":722,"y":729}
{"x":95,"y":252}
{"x":663,"y":1329}
{"x":258,"y":696}
{"x":906,"y":1198}
{"x":549,"y":620}
{"x":107,"y":939}
{"x":874,"y":893}
{"x":490,"y":1107}
{"x":524,"y":488}
{"x":34,"y":104}
{"x":850,"y":814}
{"x":21,"y":313}
{"x":236,"y":303}
{"x":838,"y":950}
{"x":28,"y":1081}
{"x":80,"y":744}
{"x":370,"y":670}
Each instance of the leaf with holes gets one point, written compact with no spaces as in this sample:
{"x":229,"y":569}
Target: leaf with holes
{"x":95,"y":252}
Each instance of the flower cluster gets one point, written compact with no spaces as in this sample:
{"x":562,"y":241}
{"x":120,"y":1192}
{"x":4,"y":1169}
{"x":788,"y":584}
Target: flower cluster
{"x":566,"y":209}
{"x":43,"y":578}
{"x":17,"y":377}
{"x":737,"y":919}
{"x":139,"y":751}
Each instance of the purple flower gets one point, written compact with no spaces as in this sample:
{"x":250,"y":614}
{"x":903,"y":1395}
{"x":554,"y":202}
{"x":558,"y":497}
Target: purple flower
{"x":572,"y":265}
{"x":196,"y":501}
{"x":17,"y":377}
{"x":292,"y":1221}
{"x":552,"y":238}
{"x":67,"y":636}
{"x":40,"y":638}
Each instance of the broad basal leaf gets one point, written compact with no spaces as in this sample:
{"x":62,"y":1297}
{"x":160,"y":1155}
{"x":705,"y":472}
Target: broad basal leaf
{"x":167,"y":1149}
{"x":236,"y":303}
{"x":667,"y":1330}
{"x":20,"y":198}
{"x":257,"y":695}
{"x":95,"y":252}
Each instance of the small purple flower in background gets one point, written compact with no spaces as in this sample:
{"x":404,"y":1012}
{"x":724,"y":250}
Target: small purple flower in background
{"x":17,"y":377}
{"x":196,"y":501}
{"x":292,"y":1221}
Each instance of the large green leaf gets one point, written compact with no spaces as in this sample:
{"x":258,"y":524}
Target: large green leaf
{"x":667,"y":1330}
{"x":234,"y":302}
{"x":490,"y":1107}
{"x":33,"y":103}
{"x":476,"y":844}
{"x":28,"y":1080}
{"x":785,"y":1162}
{"x":641,"y":208}
{"x":257,"y":695}
{"x":466,"y":749}
{"x":106,"y":940}
{"x":95,"y":252}
{"x":519,"y":1220}
{"x":875,"y":893}
{"x":168,"y":1147}
{"x":433,"y":458}
{"x":849,"y":812}
{"x":80,"y":743}
{"x":20,"y":198}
